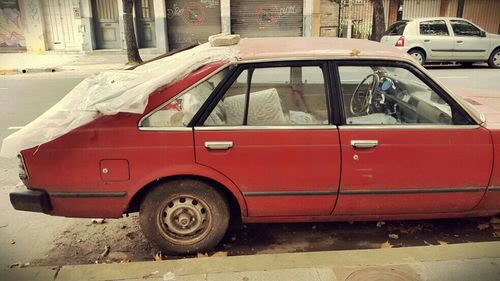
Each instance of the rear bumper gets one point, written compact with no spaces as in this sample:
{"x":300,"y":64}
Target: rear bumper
{"x":31,"y":200}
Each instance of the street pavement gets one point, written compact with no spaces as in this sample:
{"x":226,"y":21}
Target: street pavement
{"x":460,"y":262}
{"x":26,"y":237}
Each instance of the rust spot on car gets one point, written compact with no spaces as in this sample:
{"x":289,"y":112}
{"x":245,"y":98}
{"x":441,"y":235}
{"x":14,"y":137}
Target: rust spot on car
{"x":355,"y":53}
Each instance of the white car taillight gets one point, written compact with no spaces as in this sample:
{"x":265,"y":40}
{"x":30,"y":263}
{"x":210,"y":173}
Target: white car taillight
{"x":400,"y":42}
{"x":23,"y":173}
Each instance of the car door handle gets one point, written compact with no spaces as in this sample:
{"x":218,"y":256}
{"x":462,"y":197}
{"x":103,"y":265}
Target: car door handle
{"x":218,"y":145}
{"x":460,"y":42}
{"x":364,"y":143}
{"x":427,"y":40}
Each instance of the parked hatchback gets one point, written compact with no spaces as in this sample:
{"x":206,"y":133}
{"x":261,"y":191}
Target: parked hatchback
{"x":288,"y":130}
{"x":444,"y":40}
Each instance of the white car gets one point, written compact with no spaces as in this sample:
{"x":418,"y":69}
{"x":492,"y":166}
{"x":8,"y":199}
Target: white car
{"x":444,"y":39}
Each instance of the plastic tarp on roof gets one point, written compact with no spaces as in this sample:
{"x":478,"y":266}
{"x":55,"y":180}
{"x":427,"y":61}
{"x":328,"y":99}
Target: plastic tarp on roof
{"x":111,"y":92}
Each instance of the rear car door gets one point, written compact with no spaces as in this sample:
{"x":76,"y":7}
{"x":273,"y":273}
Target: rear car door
{"x":436,"y":39}
{"x":407,"y":147}
{"x":268,"y":130}
{"x":470,"y":41}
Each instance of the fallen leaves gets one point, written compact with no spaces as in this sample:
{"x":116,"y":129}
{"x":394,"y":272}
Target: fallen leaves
{"x":442,"y":242}
{"x":216,"y":254}
{"x":19,"y":264}
{"x":158,"y":256}
{"x":483,"y":226}
{"x":105,"y":252}
{"x":385,"y":245}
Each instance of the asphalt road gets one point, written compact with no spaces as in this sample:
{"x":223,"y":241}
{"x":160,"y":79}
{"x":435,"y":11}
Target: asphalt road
{"x":28,"y":237}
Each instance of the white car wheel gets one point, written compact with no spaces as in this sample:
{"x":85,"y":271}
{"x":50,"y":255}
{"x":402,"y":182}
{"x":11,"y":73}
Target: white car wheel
{"x":418,"y":56}
{"x":494,"y":60}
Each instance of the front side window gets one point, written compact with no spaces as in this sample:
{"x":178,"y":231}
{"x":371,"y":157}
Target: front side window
{"x":463,"y":28}
{"x":383,"y":95}
{"x":434,"y":27}
{"x":179,"y":111}
{"x":273,"y":96}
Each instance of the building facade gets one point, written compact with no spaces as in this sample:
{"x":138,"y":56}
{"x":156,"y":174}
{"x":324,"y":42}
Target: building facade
{"x":87,"y":25}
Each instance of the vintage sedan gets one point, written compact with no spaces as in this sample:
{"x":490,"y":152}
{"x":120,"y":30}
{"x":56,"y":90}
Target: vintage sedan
{"x":291,"y":130}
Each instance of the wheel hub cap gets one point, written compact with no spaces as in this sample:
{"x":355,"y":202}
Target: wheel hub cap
{"x":496,"y":59}
{"x":185,"y":220}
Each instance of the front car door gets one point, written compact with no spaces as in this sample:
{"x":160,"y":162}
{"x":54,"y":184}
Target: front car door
{"x":407,"y":146}
{"x":470,"y":41}
{"x":268,"y":130}
{"x":437,"y":40}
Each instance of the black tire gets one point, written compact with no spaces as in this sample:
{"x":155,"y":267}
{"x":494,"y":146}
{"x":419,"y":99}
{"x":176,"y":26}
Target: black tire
{"x":418,"y":55}
{"x":171,"y":209}
{"x":494,"y":60}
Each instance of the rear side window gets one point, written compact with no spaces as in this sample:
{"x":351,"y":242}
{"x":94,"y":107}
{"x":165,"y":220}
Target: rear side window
{"x":463,"y":28}
{"x":396,"y":28}
{"x":434,"y":27}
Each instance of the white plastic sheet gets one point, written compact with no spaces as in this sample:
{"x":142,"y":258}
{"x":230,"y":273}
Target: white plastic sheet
{"x":111,"y":92}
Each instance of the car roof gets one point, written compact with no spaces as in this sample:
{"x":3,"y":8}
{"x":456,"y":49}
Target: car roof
{"x":437,"y":18}
{"x":281,"y":48}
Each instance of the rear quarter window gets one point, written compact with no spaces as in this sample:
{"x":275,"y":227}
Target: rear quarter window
{"x":396,"y":28}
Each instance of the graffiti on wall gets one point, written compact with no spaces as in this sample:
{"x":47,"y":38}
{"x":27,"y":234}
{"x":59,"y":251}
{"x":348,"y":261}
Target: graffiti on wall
{"x":11,"y":33}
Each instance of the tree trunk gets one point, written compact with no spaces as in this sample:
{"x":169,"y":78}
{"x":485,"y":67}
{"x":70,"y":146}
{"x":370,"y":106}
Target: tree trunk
{"x":128,"y":20}
{"x":378,"y":26}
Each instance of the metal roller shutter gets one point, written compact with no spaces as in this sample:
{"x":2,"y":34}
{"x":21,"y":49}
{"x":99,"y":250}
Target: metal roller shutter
{"x":261,"y":18}
{"x":190,"y":21}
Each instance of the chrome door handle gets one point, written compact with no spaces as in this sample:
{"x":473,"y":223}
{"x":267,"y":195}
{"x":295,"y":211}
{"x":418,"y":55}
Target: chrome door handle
{"x":218,"y":145}
{"x":364,"y":143}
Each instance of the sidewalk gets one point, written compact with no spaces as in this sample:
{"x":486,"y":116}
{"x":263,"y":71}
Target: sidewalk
{"x":457,"y":262}
{"x":18,"y":63}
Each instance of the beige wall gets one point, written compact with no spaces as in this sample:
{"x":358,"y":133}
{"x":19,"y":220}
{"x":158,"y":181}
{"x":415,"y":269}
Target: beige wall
{"x":485,"y":13}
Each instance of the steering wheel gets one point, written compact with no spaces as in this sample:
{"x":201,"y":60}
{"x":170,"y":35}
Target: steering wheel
{"x":359,"y":102}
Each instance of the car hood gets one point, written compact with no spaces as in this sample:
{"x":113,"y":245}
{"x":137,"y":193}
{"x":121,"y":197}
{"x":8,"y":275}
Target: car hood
{"x":485,"y":101}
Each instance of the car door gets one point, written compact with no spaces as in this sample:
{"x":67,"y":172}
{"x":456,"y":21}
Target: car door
{"x":407,"y":147}
{"x":268,"y":130}
{"x":470,"y":41}
{"x":436,"y":39}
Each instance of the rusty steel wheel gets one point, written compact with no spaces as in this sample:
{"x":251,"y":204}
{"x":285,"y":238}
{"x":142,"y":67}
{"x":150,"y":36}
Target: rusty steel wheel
{"x":185,"y":220}
{"x":184,"y":216}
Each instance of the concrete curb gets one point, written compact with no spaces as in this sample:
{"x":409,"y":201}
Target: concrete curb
{"x":485,"y":253}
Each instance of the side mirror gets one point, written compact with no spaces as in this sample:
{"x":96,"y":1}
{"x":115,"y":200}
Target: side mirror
{"x":482,"y":33}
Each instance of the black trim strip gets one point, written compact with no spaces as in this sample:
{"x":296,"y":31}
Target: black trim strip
{"x":411,"y":191}
{"x":87,"y":194}
{"x":290,"y":193}
{"x":494,"y":188}
{"x":459,"y":51}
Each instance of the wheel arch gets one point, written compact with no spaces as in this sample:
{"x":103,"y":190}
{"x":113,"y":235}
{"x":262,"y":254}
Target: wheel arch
{"x":419,"y":49}
{"x":236,"y":201}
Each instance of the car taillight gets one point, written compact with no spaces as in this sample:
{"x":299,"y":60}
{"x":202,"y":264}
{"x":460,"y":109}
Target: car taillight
{"x":401,"y":42}
{"x":23,"y":173}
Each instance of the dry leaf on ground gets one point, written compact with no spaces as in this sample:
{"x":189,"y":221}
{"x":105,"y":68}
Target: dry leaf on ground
{"x":202,"y":255}
{"x":158,"y":256}
{"x":442,"y":242}
{"x":220,"y":254}
{"x":483,"y":226}
{"x":385,"y":245}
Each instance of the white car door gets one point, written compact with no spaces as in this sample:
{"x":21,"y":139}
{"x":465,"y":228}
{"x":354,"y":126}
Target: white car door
{"x":471,"y":42}
{"x":436,"y":39}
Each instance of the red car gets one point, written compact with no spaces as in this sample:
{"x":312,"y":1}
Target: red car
{"x":294,"y":130}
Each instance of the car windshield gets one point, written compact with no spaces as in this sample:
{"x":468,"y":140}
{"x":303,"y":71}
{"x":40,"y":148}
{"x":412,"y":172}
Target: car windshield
{"x":397,"y":28}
